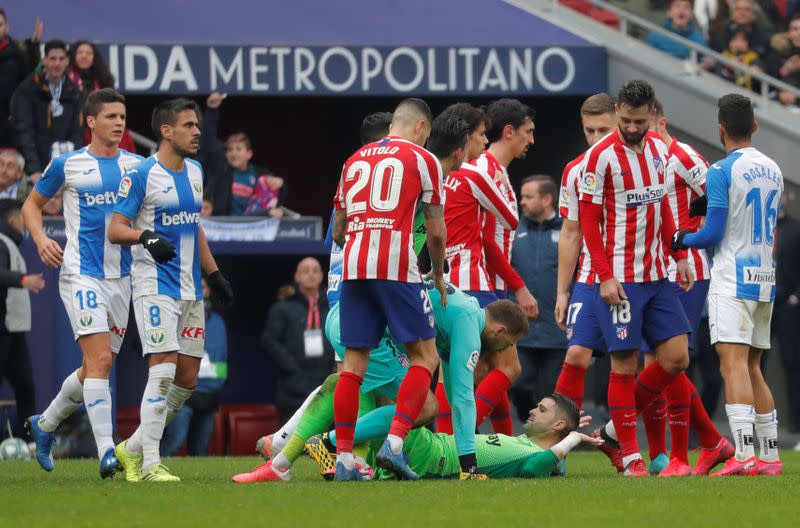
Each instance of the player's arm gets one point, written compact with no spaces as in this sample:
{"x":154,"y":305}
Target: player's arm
{"x":496,"y":261}
{"x":491,"y":198}
{"x":710,"y":235}
{"x":544,"y":464}
{"x":436,"y":239}
{"x":685,"y":275}
{"x":337,"y":231}
{"x":216,"y":280}
{"x":49,"y":250}
{"x":569,"y":247}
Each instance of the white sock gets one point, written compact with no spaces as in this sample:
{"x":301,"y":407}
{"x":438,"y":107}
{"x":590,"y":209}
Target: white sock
{"x":281,"y":437}
{"x":741,"y":420}
{"x":611,"y":430}
{"x":97,"y":396}
{"x":347,"y":459}
{"x":630,"y":458}
{"x":280,"y":462}
{"x":176,"y":397}
{"x":395,"y":443}
{"x":767,"y":432}
{"x":69,"y":398}
{"x":154,"y":412}
{"x":134,"y":443}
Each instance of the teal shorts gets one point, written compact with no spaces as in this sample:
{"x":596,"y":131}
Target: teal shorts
{"x":388,"y":363}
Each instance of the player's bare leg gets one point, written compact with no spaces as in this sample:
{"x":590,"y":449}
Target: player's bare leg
{"x":766,"y":419}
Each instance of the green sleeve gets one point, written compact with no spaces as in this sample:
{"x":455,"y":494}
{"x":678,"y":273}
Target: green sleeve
{"x":420,"y":230}
{"x":539,"y":465}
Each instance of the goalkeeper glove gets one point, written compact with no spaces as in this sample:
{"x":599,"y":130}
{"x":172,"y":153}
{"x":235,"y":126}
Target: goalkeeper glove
{"x":221,"y":287}
{"x":677,"y":239}
{"x":698,"y":206}
{"x":161,"y":250}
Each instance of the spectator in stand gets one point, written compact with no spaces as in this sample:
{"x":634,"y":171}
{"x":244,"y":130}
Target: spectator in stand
{"x":742,"y":18}
{"x":46,"y":110}
{"x":535,"y":257}
{"x":294,"y":339}
{"x":739,"y":50}
{"x":237,"y":186}
{"x":784,"y":60}
{"x":13,"y":183}
{"x":207,"y":208}
{"x":194,"y":423}
{"x":780,"y":12}
{"x":89,"y":72}
{"x":679,"y":21}
{"x":17,"y":60}
{"x":55,"y":207}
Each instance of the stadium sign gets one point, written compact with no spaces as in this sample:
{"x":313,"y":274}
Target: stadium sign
{"x":340,"y":70}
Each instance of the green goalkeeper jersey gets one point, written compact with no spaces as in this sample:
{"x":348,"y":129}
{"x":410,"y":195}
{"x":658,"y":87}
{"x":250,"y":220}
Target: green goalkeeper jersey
{"x":420,"y":230}
{"x":499,"y":456}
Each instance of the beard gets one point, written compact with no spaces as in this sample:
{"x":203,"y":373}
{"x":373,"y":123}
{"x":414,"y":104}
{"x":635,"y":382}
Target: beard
{"x":633,"y":139}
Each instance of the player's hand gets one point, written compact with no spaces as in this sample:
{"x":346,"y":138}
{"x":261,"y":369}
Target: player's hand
{"x":527,"y":302}
{"x":441,"y":285}
{"x":161,"y":250}
{"x":585,"y":420}
{"x":275,"y":212}
{"x":221,"y":287}
{"x":588,"y":440}
{"x":562,"y":307}
{"x":677,"y":239}
{"x":215,"y":99}
{"x":685,"y":275}
{"x":612,"y":292}
{"x":698,"y":206}
{"x":38,"y":29}
{"x":34,"y":283}
{"x":50,"y":252}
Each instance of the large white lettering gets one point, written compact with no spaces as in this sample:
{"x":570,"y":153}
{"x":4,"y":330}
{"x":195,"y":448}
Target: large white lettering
{"x":178,"y":70}
{"x":257,"y":68}
{"x":569,"y":75}
{"x":132,"y":82}
{"x":329,"y":83}
{"x":418,"y":66}
{"x":218,"y":69}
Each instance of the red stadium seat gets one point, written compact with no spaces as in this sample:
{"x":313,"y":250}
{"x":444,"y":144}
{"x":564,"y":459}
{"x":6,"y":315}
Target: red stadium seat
{"x":248,"y":423}
{"x":127,"y":420}
{"x":601,"y":15}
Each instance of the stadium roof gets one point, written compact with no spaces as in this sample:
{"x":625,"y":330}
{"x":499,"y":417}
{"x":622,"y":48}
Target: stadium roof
{"x":298,"y":22}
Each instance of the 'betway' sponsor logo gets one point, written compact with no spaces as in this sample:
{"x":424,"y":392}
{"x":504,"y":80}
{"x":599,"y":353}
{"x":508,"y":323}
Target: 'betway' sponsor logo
{"x":759,"y":276}
{"x":644,"y":195}
{"x":106,"y":198}
{"x":181,"y":218}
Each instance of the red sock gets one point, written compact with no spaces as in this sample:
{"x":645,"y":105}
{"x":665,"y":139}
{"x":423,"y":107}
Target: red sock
{"x":410,"y":398}
{"x":654,"y":419}
{"x":345,"y":410}
{"x":678,"y":398}
{"x":701,"y":422}
{"x":444,"y":421}
{"x":501,"y":416}
{"x":622,"y":406}
{"x":650,"y":383}
{"x":570,"y":383}
{"x":488,"y":394}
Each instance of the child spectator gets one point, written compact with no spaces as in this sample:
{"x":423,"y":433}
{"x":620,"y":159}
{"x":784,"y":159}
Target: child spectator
{"x":739,"y":50}
{"x":679,"y":21}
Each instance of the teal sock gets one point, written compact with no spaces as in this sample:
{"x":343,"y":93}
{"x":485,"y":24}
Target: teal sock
{"x":374,"y":424}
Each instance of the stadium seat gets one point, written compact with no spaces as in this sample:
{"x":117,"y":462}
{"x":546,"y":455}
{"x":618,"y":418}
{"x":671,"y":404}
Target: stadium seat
{"x":127,"y":420}
{"x":248,"y":423}
{"x":585,"y":7}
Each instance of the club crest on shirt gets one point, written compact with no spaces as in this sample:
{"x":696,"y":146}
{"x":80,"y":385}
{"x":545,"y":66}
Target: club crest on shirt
{"x":622,"y":333}
{"x":124,"y":186}
{"x":472,"y":360}
{"x":588,"y":183}
{"x":659,"y":165}
{"x":197,"y":188}
{"x":85,"y":319}
{"x":156,"y":337}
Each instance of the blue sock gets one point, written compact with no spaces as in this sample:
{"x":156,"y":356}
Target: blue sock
{"x":374,"y":424}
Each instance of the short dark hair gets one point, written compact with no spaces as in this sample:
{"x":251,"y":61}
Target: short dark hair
{"x":419,"y":106}
{"x":3,"y":13}
{"x":239,"y":137}
{"x":567,"y":410}
{"x":8,"y":206}
{"x":598,"y":104}
{"x":637,"y":93}
{"x":374,"y":127}
{"x":473,"y":115}
{"x":506,"y":112}
{"x":166,"y":113}
{"x":509,"y":314}
{"x":54,"y":44}
{"x":736,"y":115}
{"x":448,"y":134}
{"x":96,"y":100}
{"x":547,"y":185}
{"x":659,"y":108}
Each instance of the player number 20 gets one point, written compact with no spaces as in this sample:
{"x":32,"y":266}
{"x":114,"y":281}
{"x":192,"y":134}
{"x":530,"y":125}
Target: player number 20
{"x":426,"y":302}
{"x":90,"y":297}
{"x":361,"y":170}
{"x":621,"y":313}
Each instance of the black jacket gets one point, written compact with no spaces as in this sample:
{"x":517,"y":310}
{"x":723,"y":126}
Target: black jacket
{"x":8,"y":278}
{"x":14,"y":67}
{"x":36,"y":129}
{"x":283,"y":339}
{"x":787,"y":257}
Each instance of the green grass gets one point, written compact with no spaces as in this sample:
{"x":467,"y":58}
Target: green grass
{"x":592,"y":495}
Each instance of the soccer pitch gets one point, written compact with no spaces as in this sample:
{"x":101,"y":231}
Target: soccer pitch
{"x":592,"y":495}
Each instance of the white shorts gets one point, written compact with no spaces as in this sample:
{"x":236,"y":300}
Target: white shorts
{"x":170,"y":325}
{"x":734,"y":320}
{"x":96,"y":306}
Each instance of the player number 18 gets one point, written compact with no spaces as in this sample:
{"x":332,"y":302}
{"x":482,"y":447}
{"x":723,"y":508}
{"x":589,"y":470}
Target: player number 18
{"x":621,"y":313}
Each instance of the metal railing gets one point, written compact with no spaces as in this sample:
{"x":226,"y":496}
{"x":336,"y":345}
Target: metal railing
{"x":696,"y":51}
{"x":143,"y":141}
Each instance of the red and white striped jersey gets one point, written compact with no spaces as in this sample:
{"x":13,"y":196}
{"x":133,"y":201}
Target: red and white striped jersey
{"x":631,"y":188}
{"x":568,"y":199}
{"x":471,"y":193}
{"x":686,"y":180}
{"x":380,"y":187}
{"x":503,"y":235}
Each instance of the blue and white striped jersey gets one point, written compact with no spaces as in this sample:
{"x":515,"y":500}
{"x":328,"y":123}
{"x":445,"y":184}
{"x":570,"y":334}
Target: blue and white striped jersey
{"x":90,"y":186}
{"x":167,"y":203}
{"x":335,"y":269}
{"x":749,"y":185}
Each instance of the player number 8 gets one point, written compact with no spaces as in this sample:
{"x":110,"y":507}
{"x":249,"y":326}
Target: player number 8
{"x":155,"y":315}
{"x":621,"y":313}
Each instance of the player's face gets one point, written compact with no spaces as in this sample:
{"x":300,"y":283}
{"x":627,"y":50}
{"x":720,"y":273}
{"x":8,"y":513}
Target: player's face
{"x":10,"y":172}
{"x":185,"y":134}
{"x":634,"y":123}
{"x":541,"y":418}
{"x":476,"y":142}
{"x":496,"y":338}
{"x":55,"y":63}
{"x":3,"y":27}
{"x":84,"y":56}
{"x":522,"y":138}
{"x":597,"y":126}
{"x":423,"y":130}
{"x":238,"y":155}
{"x":308,"y":274}
{"x":109,"y":124}
{"x":794,"y":32}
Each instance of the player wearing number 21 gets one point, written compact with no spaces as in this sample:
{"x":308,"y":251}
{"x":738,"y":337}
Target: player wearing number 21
{"x":379,"y":190}
{"x":627,"y":223}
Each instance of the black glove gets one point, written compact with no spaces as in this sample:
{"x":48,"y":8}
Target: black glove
{"x":222,"y":288}
{"x":698,"y":206}
{"x":161,"y":250}
{"x":677,"y":239}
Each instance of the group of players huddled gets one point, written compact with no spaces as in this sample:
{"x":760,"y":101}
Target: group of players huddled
{"x":421,"y":237}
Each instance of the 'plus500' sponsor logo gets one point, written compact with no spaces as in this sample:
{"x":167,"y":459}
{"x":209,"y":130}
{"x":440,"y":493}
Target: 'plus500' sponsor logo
{"x":106,"y":198}
{"x":644,"y":195}
{"x":178,"y":219}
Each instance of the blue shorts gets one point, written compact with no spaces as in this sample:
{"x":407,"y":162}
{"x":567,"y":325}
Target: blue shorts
{"x":693,"y":303}
{"x":483,"y":297}
{"x":652,"y":312}
{"x":501,"y":294}
{"x":583,"y":328}
{"x":369,"y":306}
{"x":387,"y":365}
